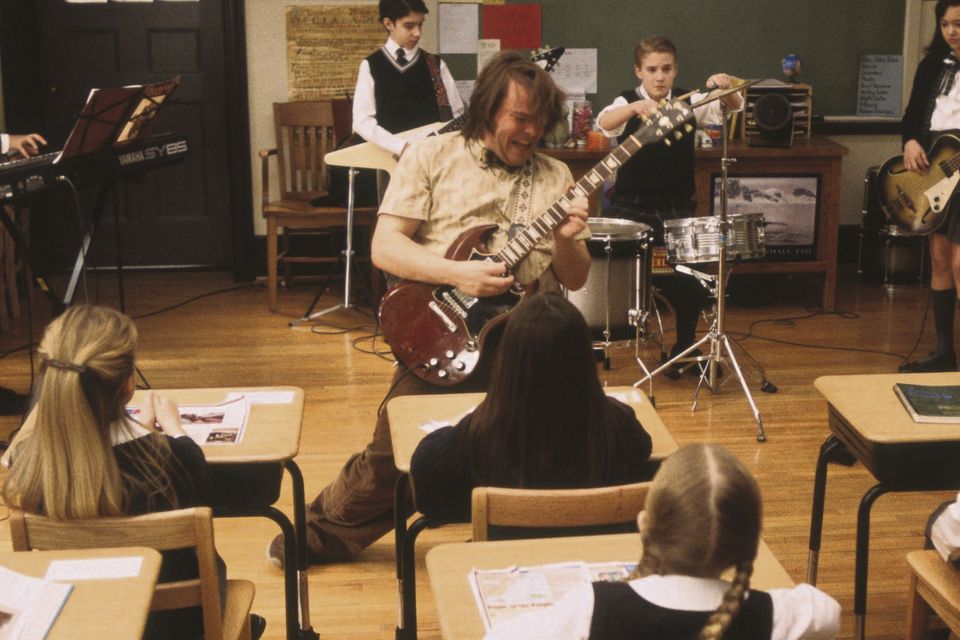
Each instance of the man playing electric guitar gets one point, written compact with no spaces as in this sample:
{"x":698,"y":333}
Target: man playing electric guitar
{"x":489,"y":173}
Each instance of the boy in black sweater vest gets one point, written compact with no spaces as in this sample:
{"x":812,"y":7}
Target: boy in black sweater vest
{"x":657,"y":183}
{"x":400,"y":86}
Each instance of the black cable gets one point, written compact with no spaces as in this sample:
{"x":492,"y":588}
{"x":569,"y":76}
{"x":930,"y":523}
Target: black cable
{"x":194,"y":299}
{"x":393,"y":388}
{"x":383,"y":355}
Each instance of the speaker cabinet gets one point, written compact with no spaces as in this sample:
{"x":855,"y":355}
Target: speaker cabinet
{"x":774,"y":117}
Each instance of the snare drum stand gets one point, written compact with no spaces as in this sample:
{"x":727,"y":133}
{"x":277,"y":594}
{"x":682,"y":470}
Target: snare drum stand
{"x":716,"y":336}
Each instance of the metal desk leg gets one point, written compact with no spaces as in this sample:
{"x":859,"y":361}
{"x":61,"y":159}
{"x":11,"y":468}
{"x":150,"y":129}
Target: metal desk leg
{"x":408,"y":594}
{"x":399,"y":534}
{"x":303,"y":563}
{"x":289,"y":557}
{"x":816,"y":514}
{"x":862,"y":553}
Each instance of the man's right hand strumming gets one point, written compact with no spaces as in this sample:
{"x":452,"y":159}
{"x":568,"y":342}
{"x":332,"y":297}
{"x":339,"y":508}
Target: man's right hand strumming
{"x":481,"y":278}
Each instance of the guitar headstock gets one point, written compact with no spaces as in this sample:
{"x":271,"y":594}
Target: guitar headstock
{"x":549,"y":56}
{"x":672,"y":120}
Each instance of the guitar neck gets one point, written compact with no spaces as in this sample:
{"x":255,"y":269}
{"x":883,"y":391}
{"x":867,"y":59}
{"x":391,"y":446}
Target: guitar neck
{"x":454,"y":125}
{"x":524,"y":241}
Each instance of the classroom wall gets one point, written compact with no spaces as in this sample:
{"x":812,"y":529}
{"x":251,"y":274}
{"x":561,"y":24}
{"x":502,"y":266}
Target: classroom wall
{"x":267,"y":75}
{"x":266,"y":60}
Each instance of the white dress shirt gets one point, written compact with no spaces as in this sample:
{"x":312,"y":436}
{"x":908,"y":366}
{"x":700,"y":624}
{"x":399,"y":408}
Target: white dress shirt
{"x":365,"y":105}
{"x":945,"y":533}
{"x":707,"y":114}
{"x":803,"y":612}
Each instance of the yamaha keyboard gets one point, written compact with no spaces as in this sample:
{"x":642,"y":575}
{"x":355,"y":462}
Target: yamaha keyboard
{"x":29,"y":176}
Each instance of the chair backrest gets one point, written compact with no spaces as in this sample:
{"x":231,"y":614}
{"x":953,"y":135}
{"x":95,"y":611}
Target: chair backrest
{"x":555,"y":508}
{"x":181,"y":529}
{"x":304,"y":134}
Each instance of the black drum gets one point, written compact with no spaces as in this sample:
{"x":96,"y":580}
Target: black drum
{"x":618,"y":285}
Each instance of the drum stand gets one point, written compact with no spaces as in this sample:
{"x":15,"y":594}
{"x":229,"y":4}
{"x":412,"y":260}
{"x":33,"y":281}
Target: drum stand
{"x":716,"y":337}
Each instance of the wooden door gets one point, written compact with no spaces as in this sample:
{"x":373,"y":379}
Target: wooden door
{"x":177,"y":215}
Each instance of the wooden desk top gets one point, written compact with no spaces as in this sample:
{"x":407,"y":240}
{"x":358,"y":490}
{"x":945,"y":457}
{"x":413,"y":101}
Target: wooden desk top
{"x":870,"y":406}
{"x":449,"y":565}
{"x":115,"y":609}
{"x":407,"y":413}
{"x":272,"y":433}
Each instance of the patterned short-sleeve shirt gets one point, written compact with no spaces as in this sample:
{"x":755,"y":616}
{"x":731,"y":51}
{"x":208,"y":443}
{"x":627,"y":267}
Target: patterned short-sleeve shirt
{"x":452,"y":184}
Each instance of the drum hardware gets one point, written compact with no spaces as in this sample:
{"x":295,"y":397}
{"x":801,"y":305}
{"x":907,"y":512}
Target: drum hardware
{"x":719,"y":342}
{"x":618,"y":296}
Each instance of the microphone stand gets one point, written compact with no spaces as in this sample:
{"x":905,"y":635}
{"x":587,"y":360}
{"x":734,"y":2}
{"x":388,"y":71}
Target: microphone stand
{"x":716,"y":337}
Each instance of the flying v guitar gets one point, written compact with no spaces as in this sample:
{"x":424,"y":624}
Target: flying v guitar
{"x":917,"y":202}
{"x":438,"y":331}
{"x":367,"y":155}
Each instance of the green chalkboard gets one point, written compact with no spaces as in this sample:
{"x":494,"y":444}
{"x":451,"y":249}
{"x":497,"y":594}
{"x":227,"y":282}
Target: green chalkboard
{"x":746,"y":38}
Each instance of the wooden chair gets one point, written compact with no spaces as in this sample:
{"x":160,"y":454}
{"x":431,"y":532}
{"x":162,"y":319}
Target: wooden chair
{"x":9,"y":266}
{"x":186,"y":528}
{"x":934,"y":585}
{"x":555,"y":508}
{"x":304,"y":134}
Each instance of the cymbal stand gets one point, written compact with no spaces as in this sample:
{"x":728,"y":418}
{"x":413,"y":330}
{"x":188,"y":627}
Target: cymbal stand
{"x":644,"y":304}
{"x":346,"y":258}
{"x":716,"y":337}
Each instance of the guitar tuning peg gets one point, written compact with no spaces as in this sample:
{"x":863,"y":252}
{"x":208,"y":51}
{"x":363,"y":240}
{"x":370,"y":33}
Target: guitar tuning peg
{"x":688,"y":127}
{"x":677,"y":134}
{"x":668,"y":142}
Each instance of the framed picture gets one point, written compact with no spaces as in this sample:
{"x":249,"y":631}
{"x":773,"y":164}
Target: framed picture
{"x":789,"y":204}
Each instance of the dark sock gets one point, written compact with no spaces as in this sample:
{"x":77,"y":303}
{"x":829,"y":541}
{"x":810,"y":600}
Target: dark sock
{"x":944,"y":304}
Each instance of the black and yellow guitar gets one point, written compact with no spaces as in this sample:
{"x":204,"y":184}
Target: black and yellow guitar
{"x":917,"y":202}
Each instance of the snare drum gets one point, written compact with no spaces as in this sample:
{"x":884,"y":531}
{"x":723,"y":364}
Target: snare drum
{"x":619,"y":278}
{"x":698,"y":239}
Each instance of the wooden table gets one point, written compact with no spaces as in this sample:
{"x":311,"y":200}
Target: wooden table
{"x":817,"y":155}
{"x":107,"y":608}
{"x":407,"y":414}
{"x":869,"y":424}
{"x":450,"y":564}
{"x":247,"y":476}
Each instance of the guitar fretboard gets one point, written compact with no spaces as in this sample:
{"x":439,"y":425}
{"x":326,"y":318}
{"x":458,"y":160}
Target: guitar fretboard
{"x":525,"y":240}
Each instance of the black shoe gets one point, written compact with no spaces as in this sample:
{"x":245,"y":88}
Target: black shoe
{"x":258,"y":624}
{"x":946,"y":361}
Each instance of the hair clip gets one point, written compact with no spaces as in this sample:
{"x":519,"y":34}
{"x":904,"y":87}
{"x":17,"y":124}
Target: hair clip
{"x":62,"y":364}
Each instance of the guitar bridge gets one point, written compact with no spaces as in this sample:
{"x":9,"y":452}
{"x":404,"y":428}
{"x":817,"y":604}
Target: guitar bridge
{"x":451,"y":326}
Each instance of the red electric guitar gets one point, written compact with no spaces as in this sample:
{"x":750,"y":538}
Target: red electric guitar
{"x":438,"y":331}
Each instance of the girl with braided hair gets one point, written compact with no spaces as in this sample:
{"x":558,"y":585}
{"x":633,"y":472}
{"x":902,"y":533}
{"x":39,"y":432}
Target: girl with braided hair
{"x":702,"y":517}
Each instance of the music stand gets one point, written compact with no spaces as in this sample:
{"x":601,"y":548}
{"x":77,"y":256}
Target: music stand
{"x":346,"y":259}
{"x":112,"y":117}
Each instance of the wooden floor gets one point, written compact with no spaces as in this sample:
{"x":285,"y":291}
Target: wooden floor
{"x":231,"y":339}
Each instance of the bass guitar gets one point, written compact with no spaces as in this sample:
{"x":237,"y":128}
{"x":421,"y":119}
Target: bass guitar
{"x":438,"y":331}
{"x":917,"y":202}
{"x":367,"y":155}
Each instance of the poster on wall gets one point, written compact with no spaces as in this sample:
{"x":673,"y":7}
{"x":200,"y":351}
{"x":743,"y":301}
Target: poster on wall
{"x":789,"y":206}
{"x":325,"y":44}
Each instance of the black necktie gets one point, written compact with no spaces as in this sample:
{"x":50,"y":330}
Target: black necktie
{"x":401,"y":58}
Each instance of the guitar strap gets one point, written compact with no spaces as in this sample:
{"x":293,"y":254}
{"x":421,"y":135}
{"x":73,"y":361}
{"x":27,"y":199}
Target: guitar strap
{"x":443,"y":101}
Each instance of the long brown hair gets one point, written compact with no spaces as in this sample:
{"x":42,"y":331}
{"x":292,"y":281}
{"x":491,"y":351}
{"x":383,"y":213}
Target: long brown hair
{"x":492,"y":86}
{"x":703,"y":515}
{"x":65,"y":467}
{"x":545,"y":421}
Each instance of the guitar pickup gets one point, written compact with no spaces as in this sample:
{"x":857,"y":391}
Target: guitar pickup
{"x":451,"y":327}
